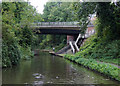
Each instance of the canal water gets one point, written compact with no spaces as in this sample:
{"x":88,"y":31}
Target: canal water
{"x":49,"y":69}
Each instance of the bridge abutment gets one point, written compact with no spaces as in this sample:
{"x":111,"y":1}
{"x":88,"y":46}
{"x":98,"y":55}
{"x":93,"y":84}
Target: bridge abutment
{"x":70,"y":38}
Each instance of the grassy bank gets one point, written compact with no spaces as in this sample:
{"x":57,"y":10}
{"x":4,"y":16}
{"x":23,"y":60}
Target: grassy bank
{"x":104,"y":68}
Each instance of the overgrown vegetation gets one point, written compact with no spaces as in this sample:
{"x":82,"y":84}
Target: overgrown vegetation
{"x":100,"y":49}
{"x":17,"y":37}
{"x":50,"y":41}
{"x":104,"y":68}
{"x":104,"y":44}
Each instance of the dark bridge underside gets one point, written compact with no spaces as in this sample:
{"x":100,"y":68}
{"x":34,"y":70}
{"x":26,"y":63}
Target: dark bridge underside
{"x":57,"y":31}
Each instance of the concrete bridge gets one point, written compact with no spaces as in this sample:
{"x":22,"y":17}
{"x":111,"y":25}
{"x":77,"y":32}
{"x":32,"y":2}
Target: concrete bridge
{"x":71,"y":29}
{"x":61,"y":28}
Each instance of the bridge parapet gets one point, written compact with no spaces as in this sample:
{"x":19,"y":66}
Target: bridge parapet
{"x":56,"y":24}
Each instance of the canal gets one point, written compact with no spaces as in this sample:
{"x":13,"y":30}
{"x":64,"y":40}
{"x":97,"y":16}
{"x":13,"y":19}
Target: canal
{"x":49,"y":69}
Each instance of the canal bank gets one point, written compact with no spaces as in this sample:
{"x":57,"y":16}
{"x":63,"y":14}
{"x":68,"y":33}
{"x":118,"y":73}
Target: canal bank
{"x":106,"y":69}
{"x":52,"y":53}
{"x":49,"y":69}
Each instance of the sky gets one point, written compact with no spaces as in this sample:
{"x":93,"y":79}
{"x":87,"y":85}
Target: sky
{"x":38,"y":4}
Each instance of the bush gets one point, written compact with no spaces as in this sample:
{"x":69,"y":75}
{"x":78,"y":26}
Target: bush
{"x":100,"y":49}
{"x":10,"y":51}
{"x":26,"y":53}
{"x":60,"y":46}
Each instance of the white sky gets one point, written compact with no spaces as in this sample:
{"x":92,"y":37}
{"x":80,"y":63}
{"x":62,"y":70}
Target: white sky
{"x":38,"y":4}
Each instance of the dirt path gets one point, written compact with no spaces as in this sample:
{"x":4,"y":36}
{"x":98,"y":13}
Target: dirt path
{"x":109,"y":63}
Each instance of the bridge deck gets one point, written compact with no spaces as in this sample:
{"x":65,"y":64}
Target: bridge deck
{"x":67,"y":28}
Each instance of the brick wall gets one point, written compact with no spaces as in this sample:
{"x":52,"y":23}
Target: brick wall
{"x":70,"y":38}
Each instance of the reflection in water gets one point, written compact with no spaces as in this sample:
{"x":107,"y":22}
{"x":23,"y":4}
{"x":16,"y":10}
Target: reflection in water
{"x":53,"y":58}
{"x":47,"y":69}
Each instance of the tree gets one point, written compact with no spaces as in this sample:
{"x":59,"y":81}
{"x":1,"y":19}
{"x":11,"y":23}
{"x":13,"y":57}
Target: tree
{"x":108,"y":27}
{"x":58,"y":11}
{"x":16,"y":33}
{"x":83,"y":11}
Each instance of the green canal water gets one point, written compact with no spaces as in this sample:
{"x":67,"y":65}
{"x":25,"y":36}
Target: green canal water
{"x":49,"y":69}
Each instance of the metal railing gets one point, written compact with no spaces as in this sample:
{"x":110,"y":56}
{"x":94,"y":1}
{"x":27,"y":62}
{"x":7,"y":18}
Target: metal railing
{"x":72,"y":47}
{"x":56,"y":24}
